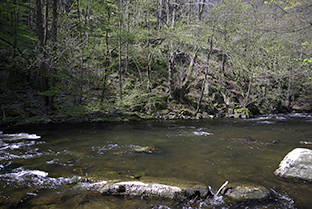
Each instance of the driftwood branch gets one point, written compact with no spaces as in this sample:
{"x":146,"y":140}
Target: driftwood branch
{"x":219,"y":190}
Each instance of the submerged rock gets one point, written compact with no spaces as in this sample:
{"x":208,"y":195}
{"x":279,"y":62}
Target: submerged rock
{"x":138,"y":188}
{"x":245,"y":192}
{"x":147,"y":149}
{"x":296,"y":164}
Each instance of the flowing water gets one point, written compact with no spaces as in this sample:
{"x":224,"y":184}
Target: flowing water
{"x":46,"y":166}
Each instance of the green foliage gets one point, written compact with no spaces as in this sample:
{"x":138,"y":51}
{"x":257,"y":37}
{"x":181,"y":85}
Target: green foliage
{"x":138,"y":99}
{"x":307,"y":60}
{"x":36,"y":119}
{"x":116,"y":55}
{"x":291,"y":4}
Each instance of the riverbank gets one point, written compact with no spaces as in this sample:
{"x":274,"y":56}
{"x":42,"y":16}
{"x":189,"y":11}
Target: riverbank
{"x":176,"y":112}
{"x":25,"y":106}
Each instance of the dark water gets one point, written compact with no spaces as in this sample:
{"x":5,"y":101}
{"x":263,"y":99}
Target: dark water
{"x":41,"y":169}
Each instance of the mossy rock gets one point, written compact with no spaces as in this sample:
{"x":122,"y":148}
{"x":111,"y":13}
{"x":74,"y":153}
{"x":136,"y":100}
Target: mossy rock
{"x":186,"y":112}
{"x":238,"y":113}
{"x":245,"y":192}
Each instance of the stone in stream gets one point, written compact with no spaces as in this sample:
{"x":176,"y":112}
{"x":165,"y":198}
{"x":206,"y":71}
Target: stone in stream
{"x":146,"y":149}
{"x":232,"y":193}
{"x":244,"y":192}
{"x":137,"y":188}
{"x":296,"y":164}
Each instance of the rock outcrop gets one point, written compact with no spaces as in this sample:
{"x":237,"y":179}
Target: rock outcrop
{"x":296,"y":164}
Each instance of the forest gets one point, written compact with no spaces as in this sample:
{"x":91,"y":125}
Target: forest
{"x":102,"y":60}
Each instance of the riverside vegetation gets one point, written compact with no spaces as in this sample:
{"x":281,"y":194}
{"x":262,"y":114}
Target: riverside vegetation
{"x":120,"y":60}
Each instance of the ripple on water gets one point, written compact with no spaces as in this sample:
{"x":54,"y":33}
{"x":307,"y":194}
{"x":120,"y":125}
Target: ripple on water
{"x":118,"y":149}
{"x":273,"y":118}
{"x":22,"y":177}
{"x":181,"y":127}
{"x":18,"y":136}
{"x":202,"y":133}
{"x":18,"y":146}
{"x":19,"y":150}
{"x":105,"y":148}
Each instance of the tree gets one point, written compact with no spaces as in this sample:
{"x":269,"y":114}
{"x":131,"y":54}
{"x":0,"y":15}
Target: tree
{"x":15,"y":39}
{"x":209,"y":56}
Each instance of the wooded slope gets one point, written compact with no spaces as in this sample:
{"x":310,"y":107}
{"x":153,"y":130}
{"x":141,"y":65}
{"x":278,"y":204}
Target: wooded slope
{"x":67,"y":58}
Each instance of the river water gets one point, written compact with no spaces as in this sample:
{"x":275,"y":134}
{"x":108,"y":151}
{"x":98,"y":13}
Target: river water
{"x":46,"y":166}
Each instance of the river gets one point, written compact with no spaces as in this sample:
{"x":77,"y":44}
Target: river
{"x":45,"y":166}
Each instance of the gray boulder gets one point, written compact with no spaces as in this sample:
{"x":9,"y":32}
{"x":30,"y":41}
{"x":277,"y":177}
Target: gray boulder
{"x":137,"y":188}
{"x":296,"y":164}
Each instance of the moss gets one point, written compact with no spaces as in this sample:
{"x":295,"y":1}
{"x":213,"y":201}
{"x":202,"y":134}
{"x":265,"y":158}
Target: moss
{"x":238,"y":113}
{"x":245,"y":192}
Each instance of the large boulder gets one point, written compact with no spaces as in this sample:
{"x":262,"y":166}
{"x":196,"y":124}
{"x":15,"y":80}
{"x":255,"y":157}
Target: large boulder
{"x":137,"y":188}
{"x":296,"y":164}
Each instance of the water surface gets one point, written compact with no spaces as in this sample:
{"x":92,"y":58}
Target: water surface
{"x":41,"y":168}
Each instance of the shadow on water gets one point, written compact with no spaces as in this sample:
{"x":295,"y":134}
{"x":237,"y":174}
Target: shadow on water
{"x":47,"y":168}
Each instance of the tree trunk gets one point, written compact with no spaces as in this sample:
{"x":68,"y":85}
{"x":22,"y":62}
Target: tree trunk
{"x":167,"y":12}
{"x":288,"y":94}
{"x":170,"y":72}
{"x":149,"y":61}
{"x":42,"y":66}
{"x":171,"y":55}
{"x":107,"y":57}
{"x":223,"y":63}
{"x":46,"y":31}
{"x":159,"y":15}
{"x":128,"y":31}
{"x":15,"y":25}
{"x":54,"y":24}
{"x":187,"y":78}
{"x":173,"y":16}
{"x":13,"y":75}
{"x":201,"y":6}
{"x":205,"y":77}
{"x":119,"y":51}
{"x":54,"y":47}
